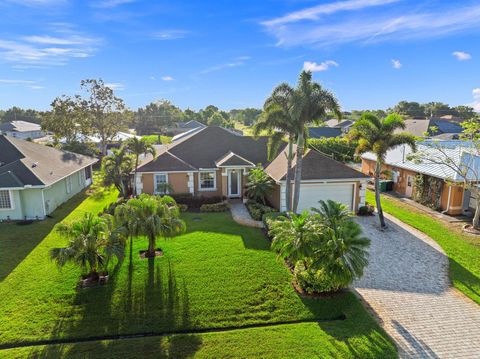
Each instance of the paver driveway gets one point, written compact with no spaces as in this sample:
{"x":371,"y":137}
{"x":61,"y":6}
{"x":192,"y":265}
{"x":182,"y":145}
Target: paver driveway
{"x":406,"y":285}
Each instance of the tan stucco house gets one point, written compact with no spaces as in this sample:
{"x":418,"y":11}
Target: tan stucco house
{"x":215,"y":162}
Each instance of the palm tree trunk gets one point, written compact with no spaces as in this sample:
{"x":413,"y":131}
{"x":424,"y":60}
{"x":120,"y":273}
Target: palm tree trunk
{"x":476,"y":217}
{"x":378,"y":168}
{"x":288,"y":189}
{"x":135,"y":177}
{"x":298,"y":171}
{"x":151,"y":247}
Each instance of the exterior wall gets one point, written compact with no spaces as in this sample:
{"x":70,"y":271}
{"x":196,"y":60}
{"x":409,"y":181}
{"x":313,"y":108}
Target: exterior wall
{"x":456,"y":199}
{"x":147,"y":181}
{"x":218,"y":190}
{"x":57,"y":194}
{"x":32,"y":203}
{"x":25,"y":135}
{"x":15,"y":213}
{"x":368,"y":168}
{"x":274,"y":198}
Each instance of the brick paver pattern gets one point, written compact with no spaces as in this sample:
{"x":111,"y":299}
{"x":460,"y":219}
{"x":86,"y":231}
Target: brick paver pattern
{"x":407,"y":289}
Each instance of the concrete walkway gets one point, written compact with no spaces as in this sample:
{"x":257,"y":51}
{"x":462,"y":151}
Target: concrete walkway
{"x":407,"y":288}
{"x":241,"y":216}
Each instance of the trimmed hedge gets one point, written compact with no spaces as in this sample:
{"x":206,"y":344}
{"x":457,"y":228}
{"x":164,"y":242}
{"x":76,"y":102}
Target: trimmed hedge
{"x":215,"y":207}
{"x":195,"y":201}
{"x":257,"y":210}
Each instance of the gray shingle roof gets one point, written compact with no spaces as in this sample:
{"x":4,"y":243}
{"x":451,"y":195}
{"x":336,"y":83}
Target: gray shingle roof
{"x":319,"y":132}
{"x":34,"y":164}
{"x":20,"y":126}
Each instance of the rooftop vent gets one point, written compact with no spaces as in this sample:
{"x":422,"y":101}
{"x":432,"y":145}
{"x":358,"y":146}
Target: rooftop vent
{"x":34,"y":164}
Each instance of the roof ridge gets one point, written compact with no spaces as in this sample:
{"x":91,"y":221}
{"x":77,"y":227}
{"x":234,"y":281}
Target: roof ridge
{"x":178,"y":158}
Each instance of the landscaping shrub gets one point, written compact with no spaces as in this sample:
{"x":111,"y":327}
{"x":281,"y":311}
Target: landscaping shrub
{"x":259,"y":185}
{"x":257,"y":210}
{"x":366,"y":210}
{"x":110,"y":209}
{"x":195,"y":201}
{"x":319,"y":281}
{"x":182,"y":207}
{"x":215,"y":207}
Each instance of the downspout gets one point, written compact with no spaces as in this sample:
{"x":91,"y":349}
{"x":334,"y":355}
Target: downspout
{"x":448,"y":200}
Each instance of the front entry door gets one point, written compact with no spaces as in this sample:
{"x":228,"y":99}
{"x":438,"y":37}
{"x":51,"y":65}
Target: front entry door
{"x":234,"y":183}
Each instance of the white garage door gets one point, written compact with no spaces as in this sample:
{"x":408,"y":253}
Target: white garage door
{"x":310,"y":194}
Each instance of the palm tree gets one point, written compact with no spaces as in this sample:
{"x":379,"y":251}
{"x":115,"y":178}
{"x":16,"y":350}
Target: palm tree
{"x":259,"y":185}
{"x":157,"y":216}
{"x":309,"y":103}
{"x":93,"y":240}
{"x":379,"y":136}
{"x":138,"y":147}
{"x":116,"y":169}
{"x":276,"y":121}
{"x":343,"y":253}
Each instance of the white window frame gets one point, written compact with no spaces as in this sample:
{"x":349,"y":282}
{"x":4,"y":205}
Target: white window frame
{"x":68,"y":184}
{"x":155,"y":176}
{"x":12,"y":203}
{"x":214,"y":188}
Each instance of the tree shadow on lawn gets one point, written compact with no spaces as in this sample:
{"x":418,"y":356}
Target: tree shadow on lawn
{"x":465,"y":280}
{"x":18,"y":241}
{"x":160,"y":307}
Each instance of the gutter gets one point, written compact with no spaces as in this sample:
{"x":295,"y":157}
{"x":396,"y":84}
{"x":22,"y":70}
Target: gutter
{"x":448,"y":200}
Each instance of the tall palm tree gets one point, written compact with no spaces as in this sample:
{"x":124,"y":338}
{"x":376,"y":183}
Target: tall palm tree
{"x":138,"y":147}
{"x":309,"y":104}
{"x":93,"y":240}
{"x":379,"y":136}
{"x":276,"y":121}
{"x":343,"y":253}
{"x":116,"y":169}
{"x":157,"y":217}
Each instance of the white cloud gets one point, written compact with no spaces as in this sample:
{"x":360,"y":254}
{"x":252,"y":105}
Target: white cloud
{"x":396,"y":64}
{"x":314,"y":13}
{"x":167,"y":78}
{"x":116,"y":86}
{"x":323,"y":66}
{"x":476,"y":99}
{"x":385,"y":25}
{"x":170,"y":34}
{"x":462,"y":56}
{"x":238,"y":61}
{"x":25,"y":83}
{"x":47,"y":50}
{"x":37,"y":3}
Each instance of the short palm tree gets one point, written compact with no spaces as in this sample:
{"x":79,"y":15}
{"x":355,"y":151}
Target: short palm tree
{"x":343,"y":253}
{"x":116,"y":169}
{"x":294,"y":237}
{"x":157,"y":217}
{"x":138,"y":146}
{"x":93,"y":240}
{"x":379,"y":136}
{"x":276,"y":121}
{"x":259,"y":185}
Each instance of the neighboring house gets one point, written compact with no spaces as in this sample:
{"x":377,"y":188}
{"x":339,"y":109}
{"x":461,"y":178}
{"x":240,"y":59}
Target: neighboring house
{"x":36,"y":179}
{"x":324,"y":132}
{"x":432,"y":127}
{"x":22,"y":130}
{"x":454,"y":199}
{"x":344,"y":125}
{"x":215,"y":162}
{"x":191,"y":124}
{"x":115,"y":142}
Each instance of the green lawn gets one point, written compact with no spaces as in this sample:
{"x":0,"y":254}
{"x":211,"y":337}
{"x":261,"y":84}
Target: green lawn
{"x":462,"y":249}
{"x":217,"y":275}
{"x":154,"y":139}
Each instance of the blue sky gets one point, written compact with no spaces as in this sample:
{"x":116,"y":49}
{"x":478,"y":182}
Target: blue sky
{"x":370,"y":53}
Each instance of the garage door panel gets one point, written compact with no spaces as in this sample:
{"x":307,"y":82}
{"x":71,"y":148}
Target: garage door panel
{"x":311,"y":194}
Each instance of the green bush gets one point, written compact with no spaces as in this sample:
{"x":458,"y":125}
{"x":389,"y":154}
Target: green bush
{"x":182,"y":207}
{"x":257,"y":210}
{"x":195,"y":201}
{"x":339,"y":147}
{"x":366,"y":210}
{"x":316,"y":281}
{"x":215,"y":207}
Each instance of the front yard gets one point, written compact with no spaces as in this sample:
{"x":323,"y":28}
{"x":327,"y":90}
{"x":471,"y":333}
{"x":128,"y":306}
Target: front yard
{"x":212,"y":281}
{"x":463,"y":250}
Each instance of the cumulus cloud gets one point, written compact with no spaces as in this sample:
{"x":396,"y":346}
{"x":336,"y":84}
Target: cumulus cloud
{"x":396,"y":64}
{"x":323,"y":66}
{"x":167,"y":78}
{"x":116,"y":86}
{"x":461,"y":56}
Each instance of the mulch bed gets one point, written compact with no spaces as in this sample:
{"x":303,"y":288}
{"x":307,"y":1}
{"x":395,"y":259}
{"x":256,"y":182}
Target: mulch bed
{"x":89,"y":281}
{"x":144,"y":254}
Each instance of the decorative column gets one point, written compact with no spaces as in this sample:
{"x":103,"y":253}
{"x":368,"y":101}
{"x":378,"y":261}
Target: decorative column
{"x":191,"y":183}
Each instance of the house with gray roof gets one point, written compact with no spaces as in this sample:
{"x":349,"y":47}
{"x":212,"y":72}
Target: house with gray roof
{"x":214,"y":161}
{"x":432,"y":127}
{"x":35,"y":179}
{"x":22,"y":130}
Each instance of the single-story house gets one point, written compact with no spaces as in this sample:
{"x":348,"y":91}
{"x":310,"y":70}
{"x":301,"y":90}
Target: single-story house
{"x":216,"y":162}
{"x":36,"y":179}
{"x":344,"y":125}
{"x":453,"y":199}
{"x":22,"y":130}
{"x":431,"y":127}
{"x":324,"y":132}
